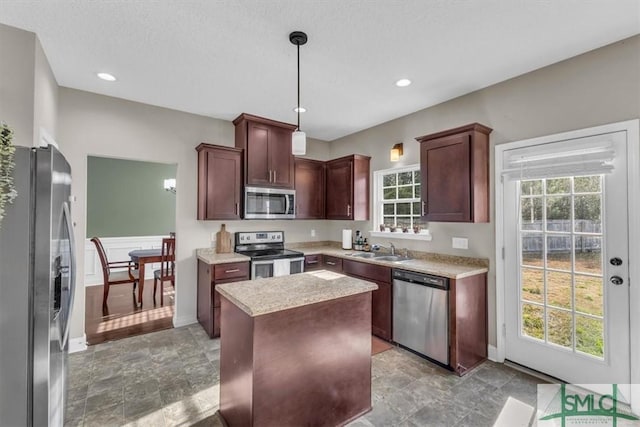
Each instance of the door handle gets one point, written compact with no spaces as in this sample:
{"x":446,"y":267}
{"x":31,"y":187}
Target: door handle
{"x":330,"y":263}
{"x":274,"y":176}
{"x":423,"y":207}
{"x":348,"y":210}
{"x":270,"y":171}
{"x":233,"y":270}
{"x":616,"y":280}
{"x":237,"y":209}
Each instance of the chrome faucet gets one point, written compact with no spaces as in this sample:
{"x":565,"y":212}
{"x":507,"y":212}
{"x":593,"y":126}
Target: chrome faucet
{"x":391,"y":247}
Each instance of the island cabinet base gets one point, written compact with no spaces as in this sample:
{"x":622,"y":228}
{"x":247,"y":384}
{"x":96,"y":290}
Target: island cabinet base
{"x":304,"y":366}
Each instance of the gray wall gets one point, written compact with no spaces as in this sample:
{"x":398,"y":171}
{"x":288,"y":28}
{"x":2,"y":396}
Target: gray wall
{"x":17,"y":68}
{"x":127,"y":198}
{"x":601,"y":86}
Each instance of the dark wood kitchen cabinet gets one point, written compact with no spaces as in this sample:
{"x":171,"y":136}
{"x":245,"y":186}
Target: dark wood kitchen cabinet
{"x":219,"y":182}
{"x":313,"y":262}
{"x":309,"y":185}
{"x":208,"y":300}
{"x":347,"y":195}
{"x":332,"y":263}
{"x":267,"y":151}
{"x":454,"y":166}
{"x":381,"y":299}
{"x":468,"y":339}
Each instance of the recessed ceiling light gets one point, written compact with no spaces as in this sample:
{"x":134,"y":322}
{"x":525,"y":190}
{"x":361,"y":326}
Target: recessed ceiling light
{"x":108,"y":77}
{"x":403,"y":82}
{"x":301,"y":109}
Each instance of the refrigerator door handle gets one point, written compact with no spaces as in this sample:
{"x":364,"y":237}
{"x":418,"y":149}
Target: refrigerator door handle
{"x":72,"y":271}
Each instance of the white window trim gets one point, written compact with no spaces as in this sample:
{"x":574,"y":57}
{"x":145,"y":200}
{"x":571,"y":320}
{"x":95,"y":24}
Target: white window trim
{"x":377,"y":203}
{"x":632,"y":128}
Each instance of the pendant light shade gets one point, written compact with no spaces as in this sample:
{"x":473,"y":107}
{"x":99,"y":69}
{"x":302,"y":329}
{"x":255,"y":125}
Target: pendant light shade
{"x":299,"y":138}
{"x":299,"y":143}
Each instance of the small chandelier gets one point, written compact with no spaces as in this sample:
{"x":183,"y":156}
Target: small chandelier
{"x":299,"y":138}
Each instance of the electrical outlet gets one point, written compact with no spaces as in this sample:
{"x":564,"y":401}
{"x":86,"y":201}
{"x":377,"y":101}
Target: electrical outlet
{"x":460,"y":243}
{"x":313,"y":233}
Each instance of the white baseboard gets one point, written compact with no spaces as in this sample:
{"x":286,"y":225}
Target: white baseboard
{"x":492,"y":353}
{"x":78,"y":344}
{"x":183,"y":321}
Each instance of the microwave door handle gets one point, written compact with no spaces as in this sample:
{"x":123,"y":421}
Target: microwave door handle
{"x":287,"y":204}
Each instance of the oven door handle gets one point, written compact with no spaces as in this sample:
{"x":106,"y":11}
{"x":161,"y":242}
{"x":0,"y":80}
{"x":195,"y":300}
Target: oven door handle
{"x":270,"y":261}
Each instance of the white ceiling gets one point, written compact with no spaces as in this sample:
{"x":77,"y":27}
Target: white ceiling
{"x":222,"y":58}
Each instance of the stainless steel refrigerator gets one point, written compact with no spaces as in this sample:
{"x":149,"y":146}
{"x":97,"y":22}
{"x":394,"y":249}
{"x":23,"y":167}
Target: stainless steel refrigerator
{"x":37,"y":283}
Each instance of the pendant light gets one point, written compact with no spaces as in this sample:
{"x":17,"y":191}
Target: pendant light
{"x":299,"y":138}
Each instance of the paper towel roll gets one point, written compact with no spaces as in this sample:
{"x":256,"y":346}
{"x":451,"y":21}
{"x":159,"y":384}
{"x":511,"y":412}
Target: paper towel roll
{"x":346,"y":239}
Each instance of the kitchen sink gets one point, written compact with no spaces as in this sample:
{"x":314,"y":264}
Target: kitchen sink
{"x":364,"y":255}
{"x":381,"y":257}
{"x":395,"y":258}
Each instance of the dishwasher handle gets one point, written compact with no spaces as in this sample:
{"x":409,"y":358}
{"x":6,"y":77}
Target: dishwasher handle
{"x":422,"y":279}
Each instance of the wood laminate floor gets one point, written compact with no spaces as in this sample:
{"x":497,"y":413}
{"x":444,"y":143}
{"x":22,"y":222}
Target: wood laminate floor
{"x":121,"y":318}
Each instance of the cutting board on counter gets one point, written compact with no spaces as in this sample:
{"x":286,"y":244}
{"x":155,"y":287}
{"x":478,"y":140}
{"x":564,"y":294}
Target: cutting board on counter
{"x":223,"y":241}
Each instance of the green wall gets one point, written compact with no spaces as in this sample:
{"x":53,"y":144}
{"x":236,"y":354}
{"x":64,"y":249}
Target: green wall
{"x":127,"y":198}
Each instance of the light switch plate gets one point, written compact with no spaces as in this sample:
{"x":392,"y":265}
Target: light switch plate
{"x":460,"y":243}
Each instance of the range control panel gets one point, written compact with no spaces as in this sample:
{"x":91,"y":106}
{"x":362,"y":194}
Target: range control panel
{"x":253,"y":237}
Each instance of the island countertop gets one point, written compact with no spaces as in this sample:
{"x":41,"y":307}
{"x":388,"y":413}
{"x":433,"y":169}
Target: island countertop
{"x":263,"y":296}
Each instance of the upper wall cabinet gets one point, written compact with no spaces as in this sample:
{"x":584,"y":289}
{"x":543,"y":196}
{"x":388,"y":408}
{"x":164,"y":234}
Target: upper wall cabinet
{"x":348,"y":188}
{"x":454,"y":165}
{"x":310,"y":193}
{"x":219,"y":182}
{"x":267,"y":151}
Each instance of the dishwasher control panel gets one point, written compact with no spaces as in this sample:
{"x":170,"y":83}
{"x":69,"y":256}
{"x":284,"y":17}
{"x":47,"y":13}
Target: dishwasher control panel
{"x":425,"y":279}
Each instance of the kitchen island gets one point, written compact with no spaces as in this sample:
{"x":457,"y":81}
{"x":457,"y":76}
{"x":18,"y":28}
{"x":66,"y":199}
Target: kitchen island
{"x":295,"y":350}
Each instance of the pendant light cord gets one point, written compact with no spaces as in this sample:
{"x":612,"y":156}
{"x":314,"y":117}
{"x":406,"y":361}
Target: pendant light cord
{"x":298,"y":44}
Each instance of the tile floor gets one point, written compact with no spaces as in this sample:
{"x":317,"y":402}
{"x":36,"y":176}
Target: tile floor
{"x":170,"y":378}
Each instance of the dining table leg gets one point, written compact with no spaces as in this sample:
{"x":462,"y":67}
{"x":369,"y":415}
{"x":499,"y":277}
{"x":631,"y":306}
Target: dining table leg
{"x":140,"y":280}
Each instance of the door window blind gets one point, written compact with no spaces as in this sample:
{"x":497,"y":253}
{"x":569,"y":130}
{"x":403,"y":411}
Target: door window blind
{"x":576,"y":157}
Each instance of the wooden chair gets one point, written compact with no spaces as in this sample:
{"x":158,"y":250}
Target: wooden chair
{"x":114,"y":277}
{"x":167,"y":268}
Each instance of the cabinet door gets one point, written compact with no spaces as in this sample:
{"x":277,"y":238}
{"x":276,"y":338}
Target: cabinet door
{"x":309,"y":184}
{"x":339,"y":199}
{"x":219,"y":182}
{"x":280,"y":158}
{"x":205,"y":297}
{"x":224,"y":185}
{"x":381,"y":311}
{"x":258,"y":171}
{"x":446,"y":176}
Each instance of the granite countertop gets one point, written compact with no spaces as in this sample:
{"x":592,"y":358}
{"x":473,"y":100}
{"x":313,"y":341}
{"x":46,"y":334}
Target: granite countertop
{"x":451,"y":267}
{"x":263,"y":296}
{"x":210,"y":256}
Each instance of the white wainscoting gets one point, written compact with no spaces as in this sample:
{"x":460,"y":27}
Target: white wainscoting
{"x":117,"y":249}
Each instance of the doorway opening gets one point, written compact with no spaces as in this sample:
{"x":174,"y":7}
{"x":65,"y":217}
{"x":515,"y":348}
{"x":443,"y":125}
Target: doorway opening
{"x":131,"y":206}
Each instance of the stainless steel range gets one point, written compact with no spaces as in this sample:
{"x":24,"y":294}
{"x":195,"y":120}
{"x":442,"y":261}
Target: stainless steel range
{"x":268,"y":256}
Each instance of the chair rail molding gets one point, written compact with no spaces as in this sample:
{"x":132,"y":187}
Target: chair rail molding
{"x":117,"y":249}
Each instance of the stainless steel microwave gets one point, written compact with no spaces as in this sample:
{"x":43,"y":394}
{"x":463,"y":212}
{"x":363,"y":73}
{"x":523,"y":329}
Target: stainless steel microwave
{"x":269,"y":203}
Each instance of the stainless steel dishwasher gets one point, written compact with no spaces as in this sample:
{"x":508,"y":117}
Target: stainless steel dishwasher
{"x":421,"y":314}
